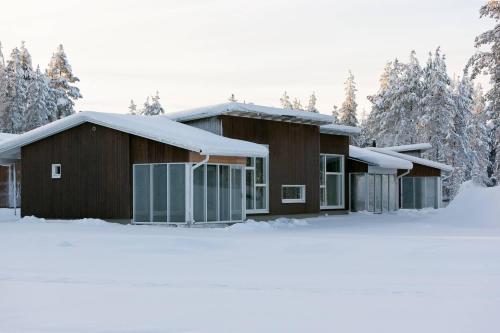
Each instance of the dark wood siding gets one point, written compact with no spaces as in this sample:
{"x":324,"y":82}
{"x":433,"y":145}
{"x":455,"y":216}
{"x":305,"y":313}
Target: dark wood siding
{"x":356,"y":166}
{"x":293,"y":158}
{"x":420,"y":170}
{"x":338,"y":144}
{"x":96,"y":172}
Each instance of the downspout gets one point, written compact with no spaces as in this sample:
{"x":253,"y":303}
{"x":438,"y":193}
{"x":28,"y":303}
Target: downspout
{"x":400,"y":185}
{"x":191,"y":194}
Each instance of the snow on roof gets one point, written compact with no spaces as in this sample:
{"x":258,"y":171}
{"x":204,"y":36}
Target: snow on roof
{"x":252,"y":111}
{"x":340,"y":129}
{"x":414,"y":159}
{"x":416,"y":146}
{"x":157,"y":128}
{"x":6,"y":136}
{"x":378,"y":159}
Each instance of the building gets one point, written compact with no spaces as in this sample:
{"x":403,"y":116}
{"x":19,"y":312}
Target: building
{"x":216,"y":164}
{"x":9,"y":179}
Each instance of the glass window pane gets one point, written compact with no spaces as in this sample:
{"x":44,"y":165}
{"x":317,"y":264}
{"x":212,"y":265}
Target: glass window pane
{"x":236,"y":194}
{"x":260,"y":175}
{"x":260,"y":197}
{"x":322,"y":196}
{"x":291,"y":192}
{"x":160,"y":190}
{"x":250,"y":189}
{"x":392,"y":193}
{"x":431,"y":192}
{"x":333,"y":164}
{"x":419,"y":192}
{"x":224,"y":192}
{"x":358,"y":193}
{"x":199,"y":194}
{"x":333,"y":190}
{"x":212,"y":202}
{"x":371,"y":193}
{"x":322,"y":170}
{"x":177,"y":192}
{"x":385,"y":193}
{"x":378,"y":194}
{"x":408,"y":196}
{"x":250,"y":161}
{"x":142,"y":194}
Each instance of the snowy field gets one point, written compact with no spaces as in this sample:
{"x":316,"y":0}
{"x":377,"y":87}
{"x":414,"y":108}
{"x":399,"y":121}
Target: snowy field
{"x":428,"y":271}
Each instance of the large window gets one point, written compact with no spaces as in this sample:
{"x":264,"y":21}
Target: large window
{"x":257,"y":189}
{"x":420,"y":192}
{"x":373,"y":192}
{"x":161,"y":193}
{"x":331,"y":181}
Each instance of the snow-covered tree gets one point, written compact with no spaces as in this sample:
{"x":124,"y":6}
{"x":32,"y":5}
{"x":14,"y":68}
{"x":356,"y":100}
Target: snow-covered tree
{"x":335,"y":114}
{"x":488,"y":62}
{"x":154,"y":108}
{"x":232,"y":98}
{"x":297,"y":105}
{"x":311,"y":106}
{"x":132,"y":108}
{"x":285,"y":101}
{"x":41,"y":102}
{"x":61,"y":80}
{"x":349,"y":107}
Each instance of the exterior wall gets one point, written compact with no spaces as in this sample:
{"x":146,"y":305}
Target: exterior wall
{"x":211,"y":124}
{"x":356,"y":166}
{"x":338,"y":144}
{"x":421,"y":171}
{"x":293,"y":158}
{"x":96,"y":172}
{"x":6,"y":186}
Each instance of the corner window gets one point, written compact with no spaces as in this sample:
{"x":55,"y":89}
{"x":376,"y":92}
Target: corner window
{"x":293,"y":193}
{"x":56,"y":171}
{"x":331,"y":171}
{"x":257,"y":180}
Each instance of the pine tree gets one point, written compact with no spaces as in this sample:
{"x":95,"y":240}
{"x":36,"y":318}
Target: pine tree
{"x":15,"y":95}
{"x":41,"y":102}
{"x":311,"y":106}
{"x":348,"y":109}
{"x":3,"y":87}
{"x":154,"y":108}
{"x":232,"y":98}
{"x":297,"y":105}
{"x":61,"y":79}
{"x":335,"y":114}
{"x":488,"y":62}
{"x":285,"y":101}
{"x":132,"y":109}
{"x":479,"y":145}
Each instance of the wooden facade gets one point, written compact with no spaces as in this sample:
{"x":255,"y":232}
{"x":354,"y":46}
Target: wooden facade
{"x":96,"y":172}
{"x":293,"y":158}
{"x":420,"y":170}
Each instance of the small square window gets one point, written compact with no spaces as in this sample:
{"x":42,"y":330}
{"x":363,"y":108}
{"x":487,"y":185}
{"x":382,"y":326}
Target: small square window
{"x":293,"y":193}
{"x":56,"y":171}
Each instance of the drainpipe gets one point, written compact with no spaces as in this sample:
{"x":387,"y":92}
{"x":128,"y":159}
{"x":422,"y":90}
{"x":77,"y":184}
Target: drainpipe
{"x":400,"y":185}
{"x":191,"y":186}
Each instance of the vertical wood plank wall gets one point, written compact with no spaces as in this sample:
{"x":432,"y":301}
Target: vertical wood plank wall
{"x":294,"y":158}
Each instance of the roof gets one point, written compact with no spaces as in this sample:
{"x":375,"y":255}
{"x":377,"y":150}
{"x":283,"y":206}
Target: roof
{"x":340,"y":129}
{"x":5,"y":136}
{"x":414,"y":159}
{"x":156,"y":128}
{"x":252,"y":111}
{"x":378,"y":159}
{"x":416,"y":146}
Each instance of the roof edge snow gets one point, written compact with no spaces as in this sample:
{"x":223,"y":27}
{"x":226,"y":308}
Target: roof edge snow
{"x":411,"y":147}
{"x":378,"y":159}
{"x":340,"y":129}
{"x":413,"y":159}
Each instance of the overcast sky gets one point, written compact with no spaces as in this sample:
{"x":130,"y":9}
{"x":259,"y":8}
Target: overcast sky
{"x":198,"y":52}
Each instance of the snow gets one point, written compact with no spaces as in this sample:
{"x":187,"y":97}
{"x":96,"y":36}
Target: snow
{"x":6,"y":136}
{"x":340,"y":129}
{"x":251,"y":110}
{"x":413,"y":159}
{"x":412,"y":147}
{"x":411,"y":271}
{"x":157,"y":128}
{"x":381,"y":160}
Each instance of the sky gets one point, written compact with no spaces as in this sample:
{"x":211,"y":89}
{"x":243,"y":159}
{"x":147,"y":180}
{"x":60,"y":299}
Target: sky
{"x":198,"y":52}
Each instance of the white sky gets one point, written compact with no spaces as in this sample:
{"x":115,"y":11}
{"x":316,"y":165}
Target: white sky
{"x":198,"y":52}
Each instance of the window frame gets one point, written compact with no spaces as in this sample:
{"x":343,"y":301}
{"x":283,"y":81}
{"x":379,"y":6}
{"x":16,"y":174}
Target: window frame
{"x":302,"y":198}
{"x":256,"y":185}
{"x":323,"y":186}
{"x":56,"y":175}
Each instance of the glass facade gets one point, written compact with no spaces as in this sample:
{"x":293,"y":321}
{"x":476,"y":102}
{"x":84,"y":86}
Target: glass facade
{"x":256,"y":185}
{"x":373,"y":192}
{"x":331,"y":172}
{"x":420,"y":192}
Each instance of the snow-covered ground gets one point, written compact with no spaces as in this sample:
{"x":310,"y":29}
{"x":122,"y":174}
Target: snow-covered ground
{"x":428,"y":271}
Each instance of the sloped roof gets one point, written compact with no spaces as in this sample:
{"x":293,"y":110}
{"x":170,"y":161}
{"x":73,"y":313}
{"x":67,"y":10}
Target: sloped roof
{"x":378,"y":159}
{"x":252,"y":111}
{"x":156,"y":128}
{"x":414,"y":159}
{"x":6,"y":136}
{"x":340,"y":129}
{"x":416,"y":146}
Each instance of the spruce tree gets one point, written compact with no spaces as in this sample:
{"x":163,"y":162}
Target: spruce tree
{"x":348,"y":109}
{"x":311,"y":106}
{"x":132,"y":108}
{"x":15,"y":95}
{"x":41,"y":102}
{"x":232,"y":98}
{"x":297,"y":105}
{"x":488,"y":62}
{"x":285,"y":101}
{"x":335,"y":114}
{"x":61,"y":80}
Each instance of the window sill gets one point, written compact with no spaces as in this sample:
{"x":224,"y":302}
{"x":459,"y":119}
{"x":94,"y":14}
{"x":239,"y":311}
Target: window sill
{"x":257,"y":211}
